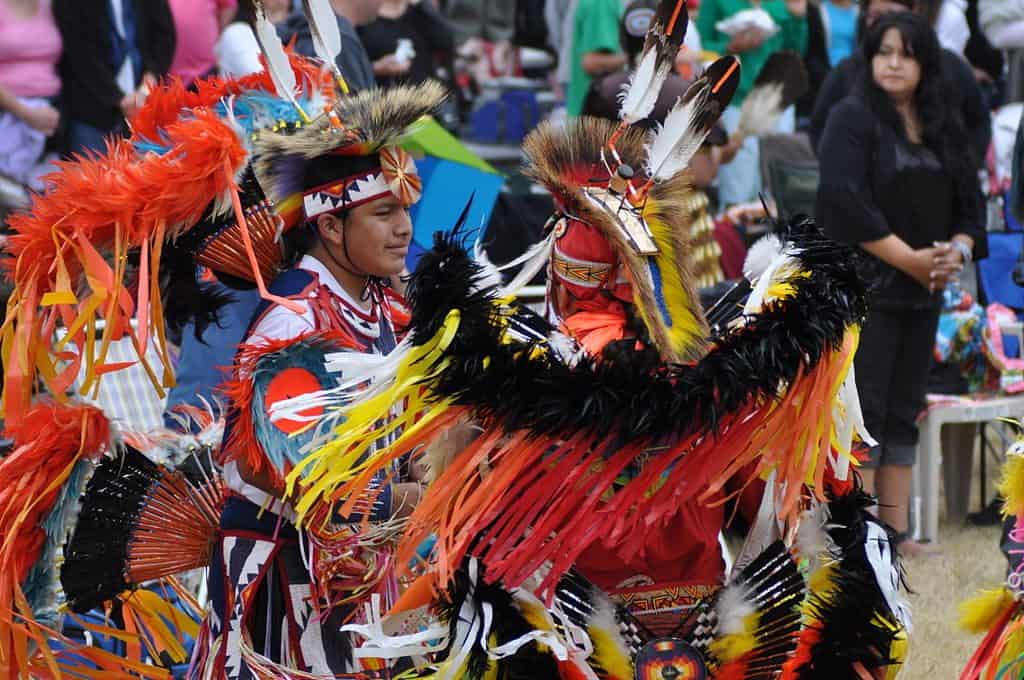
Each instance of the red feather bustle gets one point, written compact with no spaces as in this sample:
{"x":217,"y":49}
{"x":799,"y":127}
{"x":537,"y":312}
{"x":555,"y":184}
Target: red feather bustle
{"x":48,"y":441}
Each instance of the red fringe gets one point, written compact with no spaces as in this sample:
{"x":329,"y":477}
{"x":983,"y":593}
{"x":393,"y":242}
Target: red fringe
{"x":47,"y":441}
{"x":546,"y":501}
{"x":809,"y":638}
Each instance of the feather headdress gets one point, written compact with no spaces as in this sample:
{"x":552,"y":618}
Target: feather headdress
{"x":362,"y":125}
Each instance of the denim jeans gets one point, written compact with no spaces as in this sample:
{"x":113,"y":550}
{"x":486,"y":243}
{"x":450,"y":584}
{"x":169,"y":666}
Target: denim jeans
{"x":84,"y":137}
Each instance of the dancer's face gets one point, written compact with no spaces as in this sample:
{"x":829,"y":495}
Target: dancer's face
{"x":374,"y":237}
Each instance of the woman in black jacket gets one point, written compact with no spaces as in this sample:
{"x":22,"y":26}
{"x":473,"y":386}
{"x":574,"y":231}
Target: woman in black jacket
{"x":427,"y":36}
{"x":896,"y":180}
{"x":963,"y":93}
{"x":108,"y":61}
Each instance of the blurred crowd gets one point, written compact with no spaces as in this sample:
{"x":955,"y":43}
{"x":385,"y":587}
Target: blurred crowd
{"x":72,"y":71}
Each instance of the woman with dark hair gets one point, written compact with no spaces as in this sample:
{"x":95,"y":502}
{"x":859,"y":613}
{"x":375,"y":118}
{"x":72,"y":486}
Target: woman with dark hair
{"x":964,"y":94}
{"x":896,"y":180}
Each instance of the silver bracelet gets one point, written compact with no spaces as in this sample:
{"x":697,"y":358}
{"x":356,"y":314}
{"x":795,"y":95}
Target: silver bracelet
{"x":965,"y":250}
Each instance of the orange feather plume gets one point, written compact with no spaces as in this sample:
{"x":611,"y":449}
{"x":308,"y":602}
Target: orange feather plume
{"x":165,"y":103}
{"x":104,"y":204}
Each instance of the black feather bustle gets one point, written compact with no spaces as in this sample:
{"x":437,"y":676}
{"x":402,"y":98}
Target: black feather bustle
{"x":95,"y":557}
{"x":777,"y":590}
{"x":528,"y":663}
{"x":847,"y":618}
{"x":848,"y":631}
{"x":633,"y":394}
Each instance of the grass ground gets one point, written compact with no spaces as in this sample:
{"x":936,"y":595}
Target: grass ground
{"x":970,"y":561}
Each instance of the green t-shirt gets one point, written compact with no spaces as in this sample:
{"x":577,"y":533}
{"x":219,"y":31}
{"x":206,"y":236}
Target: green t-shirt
{"x":595,"y":29}
{"x":792,"y":35}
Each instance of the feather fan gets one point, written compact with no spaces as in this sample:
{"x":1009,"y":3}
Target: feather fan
{"x":139,"y":521}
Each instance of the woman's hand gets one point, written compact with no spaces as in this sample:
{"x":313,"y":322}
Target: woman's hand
{"x":919,"y":265}
{"x":934,"y":267}
{"x":947,"y":263}
{"x":390,"y":65}
{"x":746,"y":40}
{"x":43,"y":118}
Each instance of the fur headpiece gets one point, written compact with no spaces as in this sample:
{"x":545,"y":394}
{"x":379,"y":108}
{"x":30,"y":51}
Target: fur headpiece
{"x":355,"y":145}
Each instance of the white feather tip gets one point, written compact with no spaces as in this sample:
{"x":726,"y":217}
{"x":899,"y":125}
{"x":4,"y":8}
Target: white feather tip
{"x":760,"y":256}
{"x":733,"y":607}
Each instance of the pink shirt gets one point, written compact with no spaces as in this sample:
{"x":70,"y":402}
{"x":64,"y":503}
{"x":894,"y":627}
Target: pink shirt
{"x":197,"y":24}
{"x":29,"y":52}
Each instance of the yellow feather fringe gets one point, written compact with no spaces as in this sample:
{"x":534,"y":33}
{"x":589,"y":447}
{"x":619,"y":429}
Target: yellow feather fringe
{"x":343,"y":459}
{"x":1011,"y":486}
{"x":979,"y":614}
{"x":608,"y":655}
{"x":687,"y":332}
{"x":731,"y":647}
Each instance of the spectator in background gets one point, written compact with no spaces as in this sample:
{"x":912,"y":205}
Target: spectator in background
{"x":559,"y":16}
{"x":489,"y":21}
{"x":816,"y":60}
{"x":840,"y":20}
{"x":237,"y":51}
{"x":740,"y":180}
{"x":949,"y":20}
{"x":1003,"y":24}
{"x":405,"y":41}
{"x":353,"y":61}
{"x":198,"y":24}
{"x":963,"y":93}
{"x":112,"y":50}
{"x":595,"y":48}
{"x":896,"y":181}
{"x":30,"y":47}
{"x":986,"y":60}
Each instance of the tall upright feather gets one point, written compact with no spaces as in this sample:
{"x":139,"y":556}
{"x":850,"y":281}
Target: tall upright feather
{"x":691,"y":119}
{"x":661,"y":45}
{"x":278,"y":65}
{"x":323,"y":28}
